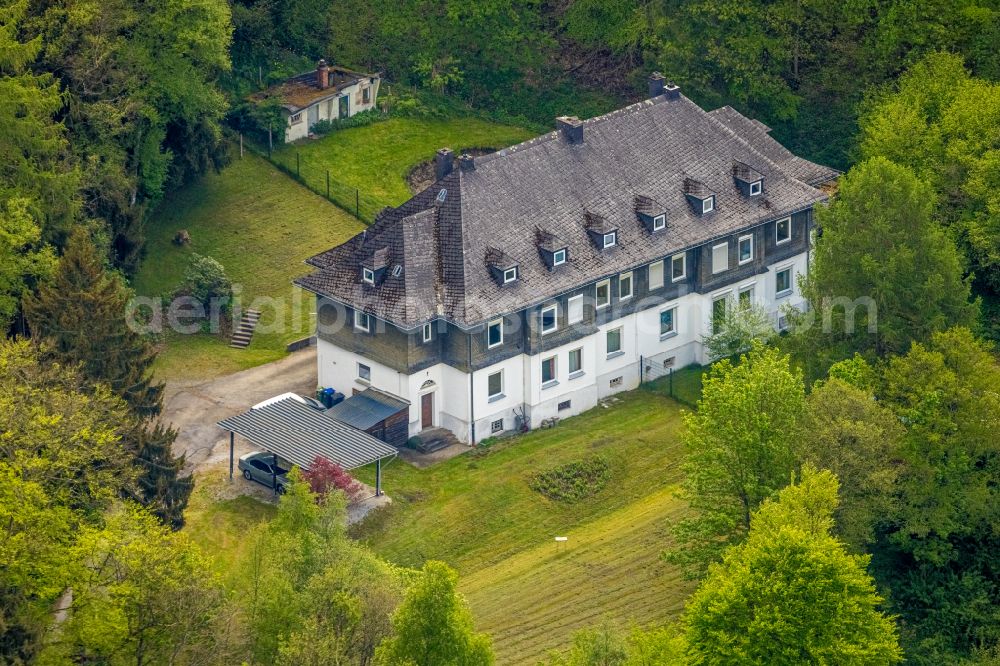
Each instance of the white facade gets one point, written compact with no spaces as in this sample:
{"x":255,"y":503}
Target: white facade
{"x":358,"y":97}
{"x":523,"y":394}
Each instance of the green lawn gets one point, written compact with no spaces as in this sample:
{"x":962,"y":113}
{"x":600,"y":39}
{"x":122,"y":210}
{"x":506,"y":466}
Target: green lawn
{"x":477,"y":513}
{"x":261,"y":225}
{"x":376,"y":158}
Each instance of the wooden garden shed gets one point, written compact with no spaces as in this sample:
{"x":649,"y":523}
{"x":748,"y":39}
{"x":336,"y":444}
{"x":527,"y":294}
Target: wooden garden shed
{"x":380,"y":414}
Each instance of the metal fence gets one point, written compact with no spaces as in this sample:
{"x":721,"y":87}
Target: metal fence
{"x":659,"y":373}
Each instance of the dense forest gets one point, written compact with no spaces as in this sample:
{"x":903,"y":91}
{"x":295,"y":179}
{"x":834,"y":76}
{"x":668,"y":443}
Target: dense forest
{"x":874,"y":455}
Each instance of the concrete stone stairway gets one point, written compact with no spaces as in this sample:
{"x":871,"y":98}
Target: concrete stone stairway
{"x":243,"y":332}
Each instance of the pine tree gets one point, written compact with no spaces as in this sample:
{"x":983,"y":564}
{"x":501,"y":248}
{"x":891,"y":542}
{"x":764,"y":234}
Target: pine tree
{"x":81,"y":316}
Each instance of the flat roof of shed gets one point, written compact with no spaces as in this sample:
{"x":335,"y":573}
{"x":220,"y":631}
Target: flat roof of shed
{"x":298,"y":432}
{"x":368,"y":408}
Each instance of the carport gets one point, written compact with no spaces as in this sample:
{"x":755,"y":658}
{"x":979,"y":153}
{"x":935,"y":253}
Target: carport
{"x":291,"y":428}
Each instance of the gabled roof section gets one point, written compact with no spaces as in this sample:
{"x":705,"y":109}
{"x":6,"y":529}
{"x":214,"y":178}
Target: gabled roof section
{"x":746,"y":173}
{"x":548,"y":241}
{"x":497,"y":258}
{"x":660,"y":149}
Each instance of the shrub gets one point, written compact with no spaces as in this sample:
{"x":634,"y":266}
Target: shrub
{"x":573,"y":481}
{"x":324,"y":476}
{"x":205,"y":280}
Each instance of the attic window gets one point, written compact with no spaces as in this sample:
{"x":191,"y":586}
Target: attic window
{"x":510,"y":275}
{"x":756,"y":188}
{"x":707,"y":205}
{"x":559,"y":257}
{"x":368,"y":275}
{"x":610,"y":239}
{"x":659,"y":222}
{"x":295,"y":119}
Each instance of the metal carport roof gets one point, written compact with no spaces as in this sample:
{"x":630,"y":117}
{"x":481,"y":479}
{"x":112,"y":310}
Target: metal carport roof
{"x":297,"y":432}
{"x":366,"y":409}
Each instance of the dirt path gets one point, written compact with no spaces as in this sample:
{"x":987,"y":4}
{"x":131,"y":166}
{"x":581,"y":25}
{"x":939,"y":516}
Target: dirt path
{"x":195,"y":407}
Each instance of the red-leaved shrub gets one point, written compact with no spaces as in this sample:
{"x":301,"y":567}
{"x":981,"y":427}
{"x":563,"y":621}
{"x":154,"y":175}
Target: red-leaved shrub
{"x":324,"y":476}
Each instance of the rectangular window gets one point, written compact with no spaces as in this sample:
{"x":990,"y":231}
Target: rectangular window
{"x":746,"y":249}
{"x":720,"y":258}
{"x":707,"y":205}
{"x":295,"y":119}
{"x":603,"y":294}
{"x":624,"y":286}
{"x":678,"y":267}
{"x":496,"y":426}
{"x":575,"y":361}
{"x":745,"y":299}
{"x":719,"y":306}
{"x":362,"y":321}
{"x":494,"y":385}
{"x":614,"y":341}
{"x":494,"y":333}
{"x":550,"y":319}
{"x":668,"y":322}
{"x":509,"y":275}
{"x":783,"y":282}
{"x":574,"y":309}
{"x":610,"y":239}
{"x":655,"y":275}
{"x":366,"y":95}
{"x":659,"y":222}
{"x":559,"y":257}
{"x":368,"y":275}
{"x":755,"y":188}
{"x":548,"y":370}
{"x":783,"y":231}
{"x":565,"y":404}
{"x":428,"y":332}
{"x":364,"y":372}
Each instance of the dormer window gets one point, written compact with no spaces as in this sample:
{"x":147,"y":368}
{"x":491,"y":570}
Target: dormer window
{"x":559,"y":257}
{"x":610,"y":239}
{"x":659,"y":222}
{"x":603,"y":234}
{"x":510,"y":275}
{"x":707,"y":205}
{"x":699,"y":196}
{"x":651,"y":213}
{"x":749,"y":181}
{"x":502,"y":267}
{"x":552,"y":248}
{"x":756,"y":188}
{"x":374,"y":266}
{"x":368,"y":275}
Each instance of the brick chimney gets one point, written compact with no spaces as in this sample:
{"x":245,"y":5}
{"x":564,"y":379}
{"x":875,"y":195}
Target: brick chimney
{"x":322,"y":75}
{"x":656,"y":83}
{"x":444,"y":160}
{"x":571,"y":128}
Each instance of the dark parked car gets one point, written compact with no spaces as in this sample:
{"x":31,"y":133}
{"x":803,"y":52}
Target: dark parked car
{"x":260,"y":467}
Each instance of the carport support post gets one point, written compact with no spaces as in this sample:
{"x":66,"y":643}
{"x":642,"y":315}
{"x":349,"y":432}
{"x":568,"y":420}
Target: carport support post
{"x":378,"y":477}
{"x":231,"y":447}
{"x":274,"y":472}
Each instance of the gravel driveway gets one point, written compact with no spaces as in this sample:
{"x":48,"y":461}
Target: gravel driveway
{"x":195,"y":407}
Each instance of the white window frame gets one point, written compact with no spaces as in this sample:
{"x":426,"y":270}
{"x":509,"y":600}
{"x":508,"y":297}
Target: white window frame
{"x":428,"y":332}
{"x":715,"y":269}
{"x":359,"y":317}
{"x":683,"y":275}
{"x":659,"y":222}
{"x":725,"y":297}
{"x":495,"y":428}
{"x":572,"y":304}
{"x":569,"y":366}
{"x":603,"y":283}
{"x":552,"y":381}
{"x":747,"y":288}
{"x":361,"y":374}
{"x":368,"y":275}
{"x":556,"y":260}
{"x":613,"y":235}
{"x":791,"y":281}
{"x":555,"y":319}
{"x":756,"y":188}
{"x":739,"y":249}
{"x":498,"y":394}
{"x":510,"y":275}
{"x":489,"y":325}
{"x":707,"y":205}
{"x":626,"y":277}
{"x":621,"y":341}
{"x":673,"y":331}
{"x":649,"y":272}
{"x":777,"y":239}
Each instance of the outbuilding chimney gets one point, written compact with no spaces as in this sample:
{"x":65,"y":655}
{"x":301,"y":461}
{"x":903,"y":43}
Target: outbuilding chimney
{"x":322,"y":75}
{"x":656,"y":83}
{"x":571,"y":128}
{"x":443,"y":162}
{"x":466,"y":162}
{"x":672,"y":91}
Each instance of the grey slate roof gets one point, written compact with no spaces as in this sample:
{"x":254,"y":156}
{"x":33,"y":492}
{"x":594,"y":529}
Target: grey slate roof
{"x":650,"y":149}
{"x":366,"y":409}
{"x":298,"y":433}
